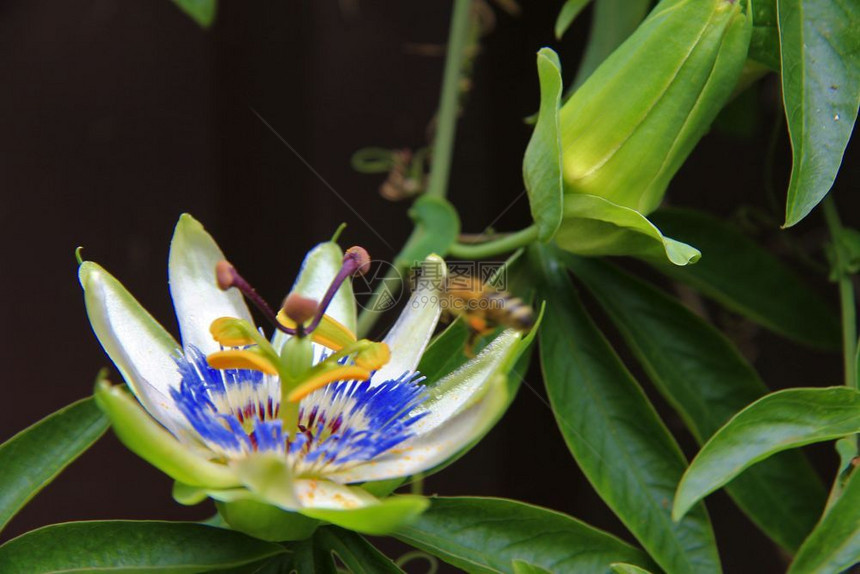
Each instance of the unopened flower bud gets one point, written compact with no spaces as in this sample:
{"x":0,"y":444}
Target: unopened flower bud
{"x":630,"y":126}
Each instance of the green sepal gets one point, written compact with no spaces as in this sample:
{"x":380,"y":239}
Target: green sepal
{"x":265,"y":521}
{"x":376,"y":519}
{"x":542,"y":163}
{"x":150,"y":441}
{"x":595,"y":226}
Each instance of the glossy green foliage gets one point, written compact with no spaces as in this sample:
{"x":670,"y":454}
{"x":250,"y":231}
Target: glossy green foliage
{"x":834,"y":546}
{"x":131,"y":546}
{"x":820,"y":64}
{"x":357,"y":554}
{"x":764,"y":43}
{"x":486,"y":535}
{"x":707,"y":381}
{"x":31,"y":459}
{"x":568,"y":13}
{"x":747,"y":279}
{"x":612,"y":429}
{"x":782,"y":420}
{"x":201,"y":11}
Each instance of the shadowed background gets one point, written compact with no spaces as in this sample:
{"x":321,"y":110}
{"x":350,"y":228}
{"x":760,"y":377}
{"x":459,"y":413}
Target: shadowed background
{"x":118,"y":116}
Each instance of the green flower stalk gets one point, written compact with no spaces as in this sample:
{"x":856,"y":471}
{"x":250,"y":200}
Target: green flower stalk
{"x":311,"y":425}
{"x":627,"y":130}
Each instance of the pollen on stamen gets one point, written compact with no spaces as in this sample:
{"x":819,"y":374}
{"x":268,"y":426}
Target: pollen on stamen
{"x":361,"y":258}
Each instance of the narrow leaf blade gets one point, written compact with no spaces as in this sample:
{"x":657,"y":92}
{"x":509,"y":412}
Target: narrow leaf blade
{"x":746,"y":279}
{"x":820,"y":51}
{"x":707,"y":381}
{"x":488,"y":534}
{"x":30,"y":460}
{"x":201,"y":11}
{"x":834,"y":545}
{"x":779,"y":421}
{"x":357,"y":554}
{"x":131,"y":546}
{"x":612,"y":430}
{"x":567,"y":15}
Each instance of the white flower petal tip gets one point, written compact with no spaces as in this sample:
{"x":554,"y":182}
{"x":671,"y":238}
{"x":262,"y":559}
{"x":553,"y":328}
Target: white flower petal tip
{"x":196,"y":296}
{"x":409,"y":336}
{"x":319,"y":268}
{"x":136,"y":343}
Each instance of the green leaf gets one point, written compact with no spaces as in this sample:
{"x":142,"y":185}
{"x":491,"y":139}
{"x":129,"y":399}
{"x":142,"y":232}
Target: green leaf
{"x":764,"y":43}
{"x":445,"y":352}
{"x":31,"y":459}
{"x":746,"y":279}
{"x":707,"y":381}
{"x":820,"y":50}
{"x":521,"y":567}
{"x":130,"y":546}
{"x":357,"y":554}
{"x":620,"y":568}
{"x":612,"y":23}
{"x":780,"y":421}
{"x":378,"y":519}
{"x":612,"y":429}
{"x":834,"y":545}
{"x":595,"y":226}
{"x":488,"y":534}
{"x":309,"y":556}
{"x":436,"y":228}
{"x":201,"y":11}
{"x":542,"y":161}
{"x":567,"y":15}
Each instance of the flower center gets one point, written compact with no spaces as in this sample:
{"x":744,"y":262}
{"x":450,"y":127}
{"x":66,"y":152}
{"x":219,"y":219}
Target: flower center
{"x":305,"y":321}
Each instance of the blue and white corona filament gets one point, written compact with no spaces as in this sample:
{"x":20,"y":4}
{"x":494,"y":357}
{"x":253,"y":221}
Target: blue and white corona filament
{"x":295,"y":421}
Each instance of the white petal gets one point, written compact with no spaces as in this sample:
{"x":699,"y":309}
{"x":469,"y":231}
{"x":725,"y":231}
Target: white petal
{"x":313,"y":493}
{"x":457,"y":390}
{"x":196,"y":296}
{"x":139,"y":347}
{"x":318,"y":270}
{"x":429,"y":450}
{"x":413,"y":329}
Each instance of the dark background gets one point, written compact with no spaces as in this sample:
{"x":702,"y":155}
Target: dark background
{"x":118,"y":116}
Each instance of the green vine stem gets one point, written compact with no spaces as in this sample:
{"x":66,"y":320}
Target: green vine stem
{"x":443,"y":143}
{"x":449,"y":100}
{"x":846,"y":293}
{"x":510,"y":242}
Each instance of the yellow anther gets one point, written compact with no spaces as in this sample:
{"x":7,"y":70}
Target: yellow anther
{"x":242,"y":359}
{"x":349,"y":373}
{"x":231,"y":332}
{"x":373,"y":357}
{"x":328,"y":333}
